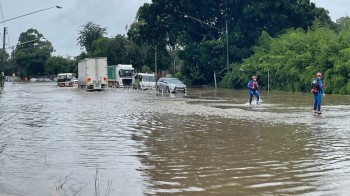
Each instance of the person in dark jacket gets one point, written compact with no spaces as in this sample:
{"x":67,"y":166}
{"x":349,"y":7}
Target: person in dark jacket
{"x":253,"y":89}
{"x":317,"y":88}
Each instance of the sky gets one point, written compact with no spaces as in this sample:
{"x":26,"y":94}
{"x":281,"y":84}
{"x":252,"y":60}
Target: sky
{"x":61,"y":26}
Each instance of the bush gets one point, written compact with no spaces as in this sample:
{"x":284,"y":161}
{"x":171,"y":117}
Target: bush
{"x":145,"y":69}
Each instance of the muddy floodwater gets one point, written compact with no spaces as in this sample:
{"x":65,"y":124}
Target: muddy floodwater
{"x":64,"y":141}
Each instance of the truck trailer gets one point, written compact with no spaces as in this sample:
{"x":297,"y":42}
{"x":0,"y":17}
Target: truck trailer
{"x":120,"y":75}
{"x":92,"y":73}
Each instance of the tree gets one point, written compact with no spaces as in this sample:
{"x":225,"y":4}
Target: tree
{"x":58,"y":64}
{"x":200,"y":62}
{"x":162,"y":24}
{"x":88,"y":34}
{"x":120,"y":50}
{"x":5,"y":62}
{"x":31,"y":52}
{"x":294,"y":58}
{"x":154,"y":30}
{"x":343,"y":22}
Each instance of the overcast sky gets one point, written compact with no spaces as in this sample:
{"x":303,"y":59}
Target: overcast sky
{"x":61,"y":26}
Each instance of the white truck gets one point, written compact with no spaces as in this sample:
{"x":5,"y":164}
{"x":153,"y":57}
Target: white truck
{"x":143,"y":81}
{"x":121,"y":75}
{"x":65,"y":79}
{"x":92,"y":73}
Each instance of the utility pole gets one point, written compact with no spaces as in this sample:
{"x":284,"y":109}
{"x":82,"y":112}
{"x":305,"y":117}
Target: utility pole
{"x":155,"y":63}
{"x":221,"y":31}
{"x":15,"y":70}
{"x":2,"y":75}
{"x":3,"y":58}
{"x":227,"y":55}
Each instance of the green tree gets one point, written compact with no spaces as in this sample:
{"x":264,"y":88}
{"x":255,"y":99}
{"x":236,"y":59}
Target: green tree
{"x":343,"y":23}
{"x":162,"y":24}
{"x":58,"y":64}
{"x":120,"y":50}
{"x":145,"y":69}
{"x":31,"y":52}
{"x":294,"y":58}
{"x":88,"y":34}
{"x":4,"y":61}
{"x":200,"y":62}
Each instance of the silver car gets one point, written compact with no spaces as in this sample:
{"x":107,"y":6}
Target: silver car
{"x":170,"y":85}
{"x":33,"y":80}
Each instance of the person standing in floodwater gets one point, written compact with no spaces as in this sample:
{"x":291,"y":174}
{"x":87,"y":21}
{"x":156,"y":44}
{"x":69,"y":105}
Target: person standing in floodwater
{"x":253,"y":90}
{"x":317,"y":88}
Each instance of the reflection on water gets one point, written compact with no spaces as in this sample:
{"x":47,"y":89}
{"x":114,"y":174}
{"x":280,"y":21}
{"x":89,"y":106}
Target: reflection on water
{"x":140,"y":143}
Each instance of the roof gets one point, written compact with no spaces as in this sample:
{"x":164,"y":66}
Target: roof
{"x":145,"y":74}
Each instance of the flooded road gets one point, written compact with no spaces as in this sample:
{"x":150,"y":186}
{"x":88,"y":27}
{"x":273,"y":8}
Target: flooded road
{"x":63,"y":141}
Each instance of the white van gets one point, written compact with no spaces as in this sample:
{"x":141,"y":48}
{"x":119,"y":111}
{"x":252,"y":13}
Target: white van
{"x":143,"y":81}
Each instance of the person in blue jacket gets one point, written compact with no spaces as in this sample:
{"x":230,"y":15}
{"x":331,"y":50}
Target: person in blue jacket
{"x":253,"y":90}
{"x":317,"y":88}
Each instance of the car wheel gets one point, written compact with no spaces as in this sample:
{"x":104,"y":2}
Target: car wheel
{"x":167,"y":89}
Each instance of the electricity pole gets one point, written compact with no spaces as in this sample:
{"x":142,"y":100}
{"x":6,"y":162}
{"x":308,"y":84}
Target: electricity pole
{"x":2,"y":78}
{"x":155,"y":63}
{"x":3,"y":58}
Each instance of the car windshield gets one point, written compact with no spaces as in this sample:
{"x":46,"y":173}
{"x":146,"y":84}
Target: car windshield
{"x":148,"y":79}
{"x":174,"y":81}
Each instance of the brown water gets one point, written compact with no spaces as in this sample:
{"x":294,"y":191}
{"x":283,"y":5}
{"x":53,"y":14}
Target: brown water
{"x":53,"y":141}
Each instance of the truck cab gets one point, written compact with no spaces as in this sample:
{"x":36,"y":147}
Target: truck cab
{"x":124,"y":75}
{"x":65,"y":79}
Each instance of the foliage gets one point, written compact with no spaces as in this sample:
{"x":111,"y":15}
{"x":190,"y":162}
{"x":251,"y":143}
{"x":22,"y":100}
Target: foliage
{"x":200,"y":62}
{"x":31,"y":52}
{"x":119,"y":50}
{"x":7,"y":69}
{"x":343,"y":23}
{"x":88,"y":34}
{"x":145,"y":69}
{"x":290,"y":40}
{"x":58,"y":64}
{"x":163,"y":24}
{"x":294,"y":58}
{"x":179,"y":76}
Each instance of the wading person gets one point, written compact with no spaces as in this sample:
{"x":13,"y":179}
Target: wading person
{"x":253,"y":89}
{"x":318,"y":91}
